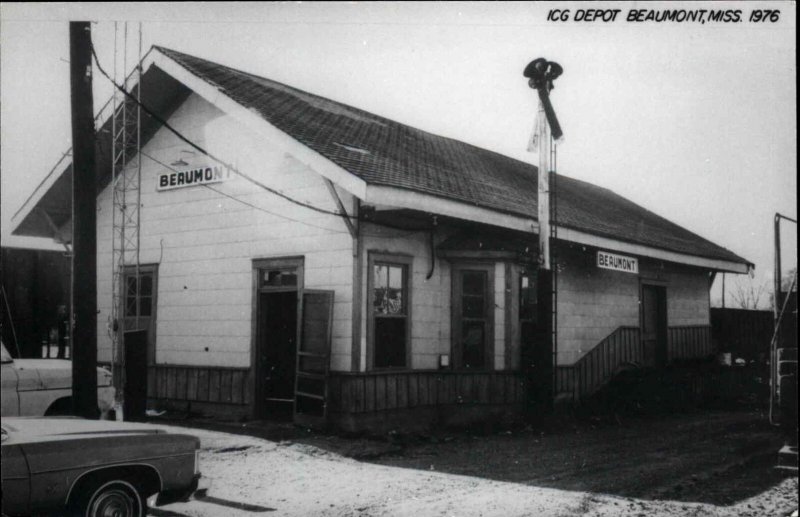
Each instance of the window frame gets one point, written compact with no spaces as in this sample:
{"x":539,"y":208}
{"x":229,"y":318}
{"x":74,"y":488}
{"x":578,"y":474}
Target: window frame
{"x":456,"y":318}
{"x":139,"y":322}
{"x":407,"y":263}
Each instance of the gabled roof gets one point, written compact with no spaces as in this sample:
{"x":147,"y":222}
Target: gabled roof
{"x":383,"y":152}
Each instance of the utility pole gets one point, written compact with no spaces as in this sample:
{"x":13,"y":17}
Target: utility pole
{"x":84,"y":239}
{"x":542,"y":373}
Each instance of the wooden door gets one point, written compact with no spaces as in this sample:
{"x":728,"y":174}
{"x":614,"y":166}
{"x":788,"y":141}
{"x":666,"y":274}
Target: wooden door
{"x":654,"y":325}
{"x":313,"y":358}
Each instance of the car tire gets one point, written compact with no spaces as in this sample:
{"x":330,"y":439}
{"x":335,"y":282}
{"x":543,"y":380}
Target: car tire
{"x":117,"y":497}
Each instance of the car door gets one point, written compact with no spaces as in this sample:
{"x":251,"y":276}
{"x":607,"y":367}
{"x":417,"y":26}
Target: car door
{"x":15,"y":479}
{"x":10,"y":400}
{"x":9,"y":406}
{"x":33,"y":398}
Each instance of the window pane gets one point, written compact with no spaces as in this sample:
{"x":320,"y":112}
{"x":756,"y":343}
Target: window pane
{"x":390,"y":342}
{"x":472,"y":307}
{"x":473,"y":339}
{"x":279,"y":278}
{"x":395,"y":277}
{"x":388,"y":290}
{"x":145,"y":305}
{"x":146,"y":285}
{"x":130,"y":306}
{"x":381,"y":276}
{"x":473,"y":282}
{"x":527,"y":298}
{"x":131,"y":281}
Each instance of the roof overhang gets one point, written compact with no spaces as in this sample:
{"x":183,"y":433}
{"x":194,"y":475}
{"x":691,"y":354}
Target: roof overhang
{"x":48,"y":210}
{"x":165,"y":83}
{"x":399,"y":197}
{"x":579,"y":237}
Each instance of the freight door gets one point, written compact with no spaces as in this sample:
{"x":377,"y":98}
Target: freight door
{"x":654,"y":325}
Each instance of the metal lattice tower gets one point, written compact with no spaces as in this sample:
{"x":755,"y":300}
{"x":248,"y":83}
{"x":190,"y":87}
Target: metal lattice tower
{"x":126,"y":191}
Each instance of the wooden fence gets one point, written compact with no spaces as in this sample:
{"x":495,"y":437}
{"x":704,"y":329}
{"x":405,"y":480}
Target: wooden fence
{"x":378,"y":391}
{"x":689,"y":342}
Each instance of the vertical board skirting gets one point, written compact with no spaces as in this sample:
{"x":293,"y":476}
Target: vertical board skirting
{"x":199,"y":383}
{"x":379,"y":391}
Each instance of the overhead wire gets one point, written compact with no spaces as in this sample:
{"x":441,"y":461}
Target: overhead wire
{"x":242,"y":201}
{"x":234,"y":169}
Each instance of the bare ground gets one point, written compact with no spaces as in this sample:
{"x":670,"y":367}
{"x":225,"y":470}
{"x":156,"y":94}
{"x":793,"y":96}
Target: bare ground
{"x":717,"y":463}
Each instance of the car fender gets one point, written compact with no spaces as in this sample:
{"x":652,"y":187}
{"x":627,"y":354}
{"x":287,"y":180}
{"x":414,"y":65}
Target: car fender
{"x":89,"y":472}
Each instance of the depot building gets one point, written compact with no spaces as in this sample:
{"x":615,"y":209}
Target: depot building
{"x":306,"y":259}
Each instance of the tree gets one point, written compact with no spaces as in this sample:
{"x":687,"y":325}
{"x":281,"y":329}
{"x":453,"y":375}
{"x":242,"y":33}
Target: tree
{"x":747,"y":293}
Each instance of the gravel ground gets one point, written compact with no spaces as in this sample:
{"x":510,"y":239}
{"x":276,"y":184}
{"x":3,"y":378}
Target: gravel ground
{"x":704,"y":465}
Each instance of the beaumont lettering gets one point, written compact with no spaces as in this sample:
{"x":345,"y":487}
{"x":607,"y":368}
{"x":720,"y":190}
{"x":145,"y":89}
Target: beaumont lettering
{"x":193,"y":177}
{"x":617,"y":262}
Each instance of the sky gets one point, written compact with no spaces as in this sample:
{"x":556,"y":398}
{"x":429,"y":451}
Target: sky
{"x":695,"y":121}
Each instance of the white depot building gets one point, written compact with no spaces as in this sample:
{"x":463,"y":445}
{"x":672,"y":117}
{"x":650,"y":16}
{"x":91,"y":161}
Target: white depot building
{"x":324,"y":263}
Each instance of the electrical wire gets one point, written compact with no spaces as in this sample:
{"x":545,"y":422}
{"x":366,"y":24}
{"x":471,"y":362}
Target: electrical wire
{"x":229,"y":196}
{"x":230,"y":166}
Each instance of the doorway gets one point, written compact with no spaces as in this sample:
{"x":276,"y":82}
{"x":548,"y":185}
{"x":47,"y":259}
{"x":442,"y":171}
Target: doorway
{"x":140,"y":293}
{"x":654,"y":325}
{"x":277,"y":347}
{"x":135,"y":392}
{"x":277,"y":316}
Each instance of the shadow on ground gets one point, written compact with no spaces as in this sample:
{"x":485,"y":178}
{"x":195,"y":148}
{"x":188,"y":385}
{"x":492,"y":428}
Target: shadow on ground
{"x":719,"y":457}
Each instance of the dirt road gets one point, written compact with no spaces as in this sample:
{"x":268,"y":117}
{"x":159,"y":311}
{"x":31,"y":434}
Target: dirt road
{"x":705,"y":465}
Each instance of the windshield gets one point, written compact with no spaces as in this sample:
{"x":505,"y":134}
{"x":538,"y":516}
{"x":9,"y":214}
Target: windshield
{"x":6,"y":357}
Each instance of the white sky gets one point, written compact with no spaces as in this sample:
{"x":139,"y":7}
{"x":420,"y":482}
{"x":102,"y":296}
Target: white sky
{"x":697,"y":123}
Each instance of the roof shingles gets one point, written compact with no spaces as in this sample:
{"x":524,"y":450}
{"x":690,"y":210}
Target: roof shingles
{"x":405,"y":157}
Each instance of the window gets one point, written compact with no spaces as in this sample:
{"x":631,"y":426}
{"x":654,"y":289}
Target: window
{"x":139,"y":294}
{"x":473,"y":314}
{"x":283,"y":277}
{"x":527,"y":297}
{"x":389,"y":310}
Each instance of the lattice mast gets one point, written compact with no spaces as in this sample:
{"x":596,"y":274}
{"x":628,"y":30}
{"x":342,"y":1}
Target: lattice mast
{"x":126,"y":200}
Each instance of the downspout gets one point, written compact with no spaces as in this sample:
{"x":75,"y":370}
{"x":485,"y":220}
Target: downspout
{"x":432,"y":234}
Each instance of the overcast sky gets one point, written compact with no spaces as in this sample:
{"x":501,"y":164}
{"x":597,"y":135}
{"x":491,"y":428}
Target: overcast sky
{"x":696,"y":122}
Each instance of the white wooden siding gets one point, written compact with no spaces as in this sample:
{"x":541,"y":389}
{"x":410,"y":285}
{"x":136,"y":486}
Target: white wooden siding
{"x":204,"y":242}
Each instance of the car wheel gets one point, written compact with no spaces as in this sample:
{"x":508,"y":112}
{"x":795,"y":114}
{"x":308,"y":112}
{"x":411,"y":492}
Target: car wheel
{"x":116,"y":498}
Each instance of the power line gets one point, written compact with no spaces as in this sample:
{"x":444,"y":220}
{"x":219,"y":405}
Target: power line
{"x":243,"y":201}
{"x":278,"y":193}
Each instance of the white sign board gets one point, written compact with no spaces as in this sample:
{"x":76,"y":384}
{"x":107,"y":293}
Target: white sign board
{"x":196,"y":176}
{"x":622,"y":263}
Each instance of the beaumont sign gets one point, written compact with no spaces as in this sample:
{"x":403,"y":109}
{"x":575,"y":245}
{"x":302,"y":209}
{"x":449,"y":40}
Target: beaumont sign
{"x":190,"y":178}
{"x":617,"y":262}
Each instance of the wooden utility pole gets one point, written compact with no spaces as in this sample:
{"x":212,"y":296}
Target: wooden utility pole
{"x":84,"y":239}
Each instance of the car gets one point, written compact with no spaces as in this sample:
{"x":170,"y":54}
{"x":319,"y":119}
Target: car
{"x":91,"y":468}
{"x":43,"y":387}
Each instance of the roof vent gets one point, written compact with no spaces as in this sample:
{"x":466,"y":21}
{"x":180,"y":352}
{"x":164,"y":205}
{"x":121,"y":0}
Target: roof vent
{"x":351,"y":148}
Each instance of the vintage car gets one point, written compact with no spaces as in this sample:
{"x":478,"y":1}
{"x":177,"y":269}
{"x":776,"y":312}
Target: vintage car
{"x":38,"y":387}
{"x":71,"y":466}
